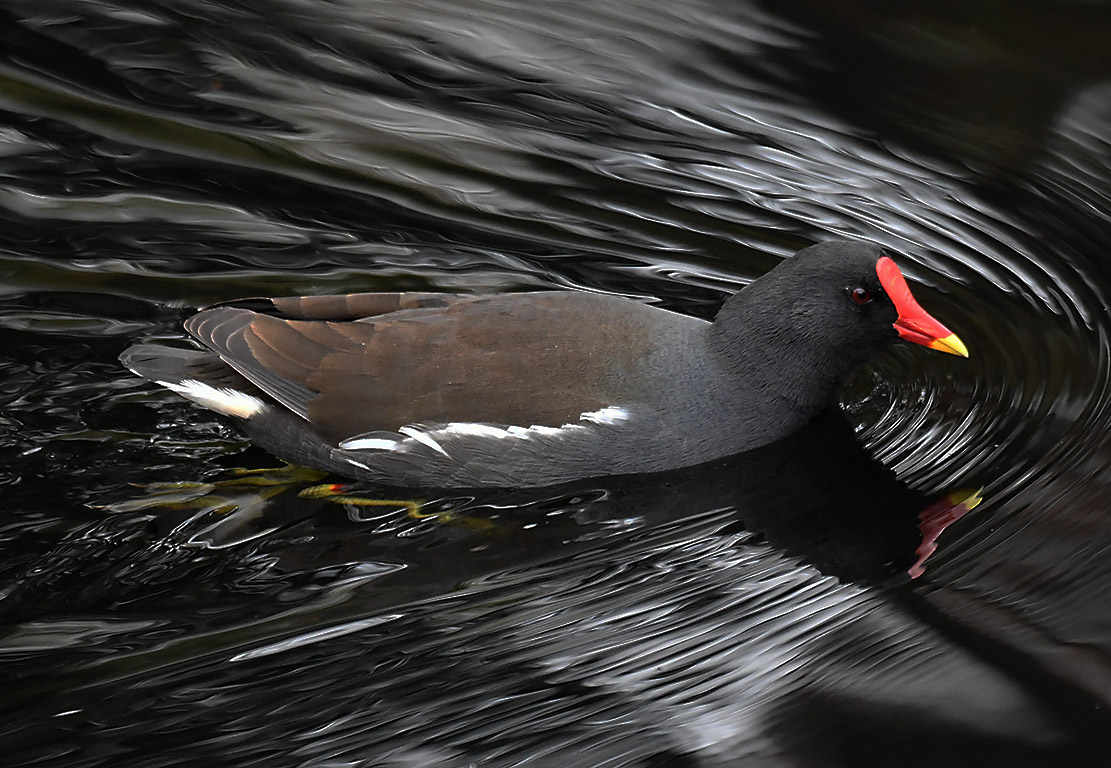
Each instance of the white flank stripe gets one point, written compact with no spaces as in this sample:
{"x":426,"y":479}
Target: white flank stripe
{"x":609,"y":415}
{"x":423,"y":438}
{"x":230,"y":402}
{"x":472,"y":429}
{"x":370,"y":443}
{"x":539,"y":429}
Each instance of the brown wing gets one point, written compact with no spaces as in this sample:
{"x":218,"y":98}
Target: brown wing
{"x":510,"y":359}
{"x":351,"y":306}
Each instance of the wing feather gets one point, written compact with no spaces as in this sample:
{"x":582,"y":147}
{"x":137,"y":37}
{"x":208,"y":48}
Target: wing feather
{"x":500,"y":360}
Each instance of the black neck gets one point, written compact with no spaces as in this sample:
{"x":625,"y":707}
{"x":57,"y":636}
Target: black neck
{"x":759,"y":348}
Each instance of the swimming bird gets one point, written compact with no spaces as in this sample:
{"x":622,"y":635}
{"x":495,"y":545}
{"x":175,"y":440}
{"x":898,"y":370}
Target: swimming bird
{"x":536,"y":389}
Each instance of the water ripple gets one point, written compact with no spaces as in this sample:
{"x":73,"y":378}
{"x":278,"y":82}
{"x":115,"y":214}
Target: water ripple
{"x":156,"y":156}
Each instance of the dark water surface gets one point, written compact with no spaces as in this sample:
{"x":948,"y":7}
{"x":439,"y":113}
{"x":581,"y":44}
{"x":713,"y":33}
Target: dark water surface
{"x":157,"y":607}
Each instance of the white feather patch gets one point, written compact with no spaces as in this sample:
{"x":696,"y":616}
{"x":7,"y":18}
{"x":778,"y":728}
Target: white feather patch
{"x":230,"y":402}
{"x":423,"y":438}
{"x":370,"y":444}
{"x":430,"y":438}
{"x":610,"y":415}
{"x":472,"y":429}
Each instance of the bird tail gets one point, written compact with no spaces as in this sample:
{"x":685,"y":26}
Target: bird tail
{"x":197,"y":375}
{"x":204,"y":378}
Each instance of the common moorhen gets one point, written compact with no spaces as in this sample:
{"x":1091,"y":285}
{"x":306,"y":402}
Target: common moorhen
{"x":535,"y":389}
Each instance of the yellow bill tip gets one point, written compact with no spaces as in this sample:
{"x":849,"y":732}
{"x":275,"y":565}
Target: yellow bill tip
{"x":950,"y":344}
{"x":969,"y":497}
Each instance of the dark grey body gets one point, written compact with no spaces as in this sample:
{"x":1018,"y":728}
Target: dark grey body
{"x":496,"y":387}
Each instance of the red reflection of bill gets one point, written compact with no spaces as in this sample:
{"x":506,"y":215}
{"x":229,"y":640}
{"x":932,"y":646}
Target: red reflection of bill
{"x":936,"y":518}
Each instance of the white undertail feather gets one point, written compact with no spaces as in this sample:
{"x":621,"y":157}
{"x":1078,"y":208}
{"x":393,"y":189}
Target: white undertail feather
{"x":230,"y":402}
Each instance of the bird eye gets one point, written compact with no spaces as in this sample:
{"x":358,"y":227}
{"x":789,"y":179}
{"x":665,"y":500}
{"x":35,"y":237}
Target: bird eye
{"x":861,"y":295}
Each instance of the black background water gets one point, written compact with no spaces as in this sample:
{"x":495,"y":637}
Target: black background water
{"x":158,"y":156}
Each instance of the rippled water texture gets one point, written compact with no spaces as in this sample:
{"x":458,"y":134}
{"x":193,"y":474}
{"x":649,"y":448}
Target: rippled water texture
{"x":162,"y":607}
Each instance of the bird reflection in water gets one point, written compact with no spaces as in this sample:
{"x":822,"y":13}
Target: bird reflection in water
{"x":817,"y":496}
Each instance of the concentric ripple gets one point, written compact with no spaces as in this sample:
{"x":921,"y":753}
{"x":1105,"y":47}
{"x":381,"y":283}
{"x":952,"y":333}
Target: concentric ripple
{"x":158,"y":608}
